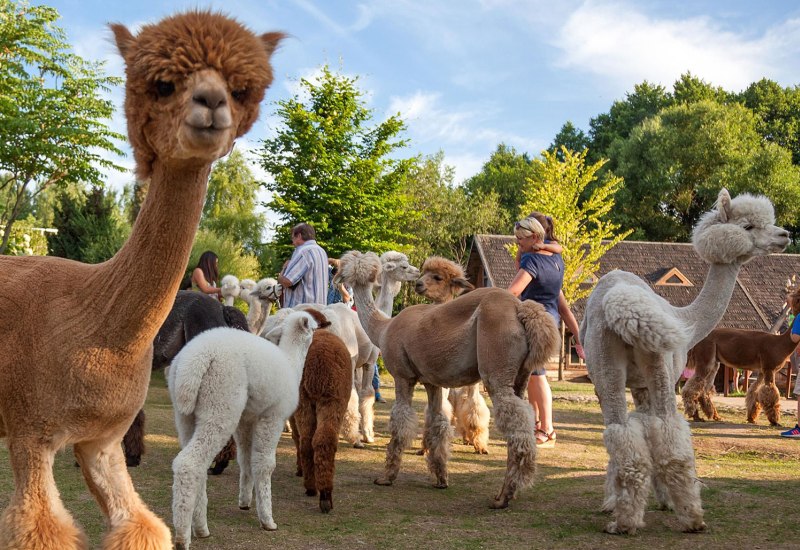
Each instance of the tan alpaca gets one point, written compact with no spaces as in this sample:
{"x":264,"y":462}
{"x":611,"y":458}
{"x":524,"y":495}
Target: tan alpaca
{"x":75,"y":366}
{"x":442,"y":280}
{"x":752,"y":350}
{"x":487,"y":334}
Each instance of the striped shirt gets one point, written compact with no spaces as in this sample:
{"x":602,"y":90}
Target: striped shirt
{"x":308,"y":271}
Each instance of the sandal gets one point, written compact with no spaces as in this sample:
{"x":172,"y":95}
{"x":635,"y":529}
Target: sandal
{"x":545,"y":440}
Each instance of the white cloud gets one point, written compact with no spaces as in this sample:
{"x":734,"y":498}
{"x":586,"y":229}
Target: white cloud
{"x":624,"y":45}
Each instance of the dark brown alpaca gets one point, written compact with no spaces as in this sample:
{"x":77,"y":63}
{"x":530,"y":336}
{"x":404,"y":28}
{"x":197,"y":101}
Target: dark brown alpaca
{"x":76,"y":339}
{"x":751,"y":350}
{"x":324,"y":393}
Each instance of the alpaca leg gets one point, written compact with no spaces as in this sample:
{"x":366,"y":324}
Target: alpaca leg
{"x":708,"y":407}
{"x":36,"y":518}
{"x":477,"y":420}
{"x":693,"y":391}
{"x":770,"y":399}
{"x":751,"y":400}
{"x":366,"y":406}
{"x":266,"y":435}
{"x":132,"y":524}
{"x":329,"y":416}
{"x":307,"y":425}
{"x":244,"y":445}
{"x":296,"y":441}
{"x":402,"y":429}
{"x":133,"y":441}
{"x":437,"y":437}
{"x":514,"y":419}
{"x":352,"y":420}
{"x":189,"y":500}
{"x":223,"y":458}
{"x":673,"y":456}
{"x":629,"y":474}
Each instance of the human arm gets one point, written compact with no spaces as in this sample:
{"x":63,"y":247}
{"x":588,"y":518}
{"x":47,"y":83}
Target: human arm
{"x":199,"y":279}
{"x":550,"y":246}
{"x":572,"y":324}
{"x":521,"y":280}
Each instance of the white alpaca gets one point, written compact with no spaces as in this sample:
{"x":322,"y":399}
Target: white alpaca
{"x":226,"y":381}
{"x":635,"y":338}
{"x":245,"y":286}
{"x":260,"y":299}
{"x":471,"y":416}
{"x":230,"y":289}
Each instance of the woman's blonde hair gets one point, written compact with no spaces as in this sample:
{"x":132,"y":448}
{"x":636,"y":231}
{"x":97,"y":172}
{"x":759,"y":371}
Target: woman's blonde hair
{"x":527,"y":227}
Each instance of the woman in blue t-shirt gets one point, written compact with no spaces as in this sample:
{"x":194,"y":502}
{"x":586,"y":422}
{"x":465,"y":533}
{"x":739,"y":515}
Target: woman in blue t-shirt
{"x":539,"y":278}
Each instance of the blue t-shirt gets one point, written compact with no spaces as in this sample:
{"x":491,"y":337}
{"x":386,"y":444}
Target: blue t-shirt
{"x":795,"y":326}
{"x":548,"y":276}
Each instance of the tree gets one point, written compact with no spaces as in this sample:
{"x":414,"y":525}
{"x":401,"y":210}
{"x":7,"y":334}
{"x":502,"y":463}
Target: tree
{"x":778,"y":111}
{"x":90,"y":227}
{"x":583,"y":226}
{"x":505,"y":173}
{"x":569,"y":137}
{"x":51,"y":109}
{"x":332,"y":170}
{"x":231,"y":202}
{"x":674,"y":165}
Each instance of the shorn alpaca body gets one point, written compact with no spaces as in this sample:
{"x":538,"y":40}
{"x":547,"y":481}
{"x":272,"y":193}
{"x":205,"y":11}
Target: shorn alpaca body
{"x":441,"y":281}
{"x":324,"y":393}
{"x":635,"y":338}
{"x":192,"y":313}
{"x":751,"y":350}
{"x":486,"y":335}
{"x":229,"y":382}
{"x":194,"y":83}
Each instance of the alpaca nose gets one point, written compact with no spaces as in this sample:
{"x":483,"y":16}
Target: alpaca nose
{"x":209,"y":96}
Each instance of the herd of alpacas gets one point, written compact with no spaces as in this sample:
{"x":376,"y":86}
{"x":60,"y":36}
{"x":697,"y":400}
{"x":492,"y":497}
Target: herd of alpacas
{"x":194,"y":84}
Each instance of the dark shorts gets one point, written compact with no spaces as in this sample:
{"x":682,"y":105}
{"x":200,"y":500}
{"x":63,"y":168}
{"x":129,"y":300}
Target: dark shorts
{"x":539,"y":371}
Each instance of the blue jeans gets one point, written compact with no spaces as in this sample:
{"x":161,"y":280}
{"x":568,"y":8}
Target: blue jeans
{"x":376,"y":380}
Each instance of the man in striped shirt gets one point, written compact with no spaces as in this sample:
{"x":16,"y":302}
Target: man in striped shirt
{"x":305,"y":276}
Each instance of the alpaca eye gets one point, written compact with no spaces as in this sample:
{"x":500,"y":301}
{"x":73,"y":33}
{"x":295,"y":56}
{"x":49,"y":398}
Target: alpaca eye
{"x":239,"y":95}
{"x":164,"y":89}
{"x":437,"y":277}
{"x":748,"y":227}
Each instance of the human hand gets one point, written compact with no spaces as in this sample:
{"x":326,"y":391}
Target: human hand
{"x":580,"y":352}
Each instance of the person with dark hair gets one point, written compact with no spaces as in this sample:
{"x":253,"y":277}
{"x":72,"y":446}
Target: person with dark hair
{"x":305,"y":276}
{"x":206,"y":275}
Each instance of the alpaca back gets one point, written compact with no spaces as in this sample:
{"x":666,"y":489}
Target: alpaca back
{"x":327,"y":370}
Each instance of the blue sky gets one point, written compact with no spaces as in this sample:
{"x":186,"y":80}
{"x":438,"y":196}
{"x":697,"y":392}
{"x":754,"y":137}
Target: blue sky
{"x":467,"y":75}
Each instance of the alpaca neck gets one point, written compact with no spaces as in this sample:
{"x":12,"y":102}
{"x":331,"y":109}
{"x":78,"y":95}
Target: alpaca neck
{"x":255,"y":315}
{"x":385,"y":300}
{"x":296,"y":353}
{"x":138,"y":285}
{"x":372,"y":319}
{"x":704,"y":313}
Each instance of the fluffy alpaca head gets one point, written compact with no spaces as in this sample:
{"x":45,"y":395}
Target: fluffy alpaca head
{"x":297,"y":330}
{"x":739,"y":229}
{"x":358,"y":269}
{"x":395,"y":265}
{"x":266,"y":289}
{"x":194,"y":84}
{"x":245,"y":286}
{"x":441,"y":280}
{"x":230,"y":286}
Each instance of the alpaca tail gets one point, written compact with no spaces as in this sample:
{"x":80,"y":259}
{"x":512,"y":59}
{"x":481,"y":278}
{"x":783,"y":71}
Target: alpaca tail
{"x":639,"y":319}
{"x":189,"y":370}
{"x":542,"y":333}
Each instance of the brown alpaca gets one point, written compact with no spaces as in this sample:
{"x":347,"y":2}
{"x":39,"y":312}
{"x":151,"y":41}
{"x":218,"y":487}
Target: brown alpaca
{"x":487,"y":334}
{"x":194,"y":83}
{"x":324,"y":394}
{"x":751,"y":350}
{"x":441,"y":281}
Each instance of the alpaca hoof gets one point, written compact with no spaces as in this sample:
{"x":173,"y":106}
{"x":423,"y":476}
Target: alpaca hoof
{"x":481,"y":452}
{"x":440,"y":485}
{"x":614,"y":528}
{"x":325,"y":501}
{"x":359,"y":445}
{"x":244,"y":507}
{"x":311,"y":492}
{"x":369,"y":439}
{"x":299,"y":473}
{"x":269,"y":526}
{"x":698,"y":528}
{"x":203,"y":533}
{"x":133,"y":461}
{"x":383,"y":481}
{"x":180,"y":546}
{"x":218,"y":468}
{"x":499,"y":504}
{"x":421,"y":452}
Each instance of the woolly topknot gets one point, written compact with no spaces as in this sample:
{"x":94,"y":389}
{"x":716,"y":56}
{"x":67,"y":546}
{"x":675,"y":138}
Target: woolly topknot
{"x":358,"y":269}
{"x":443,"y":266}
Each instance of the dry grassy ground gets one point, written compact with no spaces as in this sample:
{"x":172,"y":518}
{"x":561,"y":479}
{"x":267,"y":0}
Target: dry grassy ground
{"x":750,"y":479}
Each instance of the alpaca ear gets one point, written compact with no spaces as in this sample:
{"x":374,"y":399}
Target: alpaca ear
{"x":389,"y":266}
{"x":464,"y":284}
{"x":271,"y":41}
{"x":275,"y":335}
{"x":123,"y":38}
{"x":724,"y":205}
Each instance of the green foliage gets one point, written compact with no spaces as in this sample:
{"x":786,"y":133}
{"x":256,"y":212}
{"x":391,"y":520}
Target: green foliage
{"x":27,"y":239}
{"x":51,"y":109}
{"x":231,"y":202}
{"x":582,"y":226}
{"x":778,"y":111}
{"x":90,"y":227}
{"x":505,"y":173}
{"x":675,"y":163}
{"x":570,"y":137}
{"x":333,"y":171}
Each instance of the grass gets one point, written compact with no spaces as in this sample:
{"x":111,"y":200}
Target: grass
{"x":749,"y":478}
